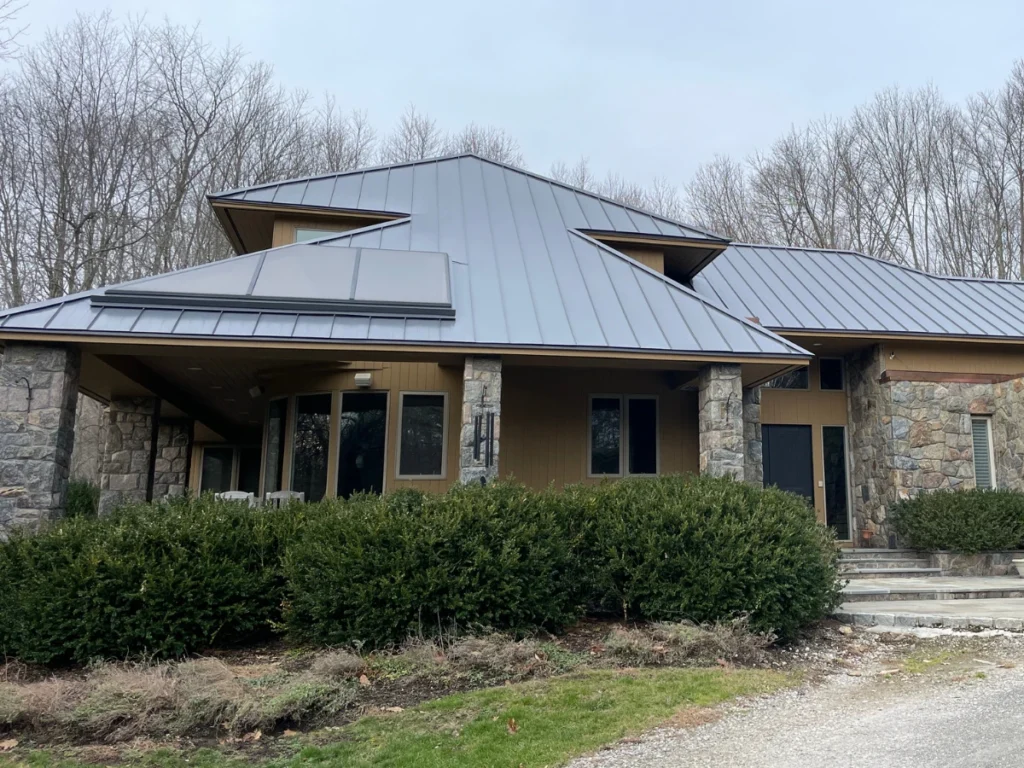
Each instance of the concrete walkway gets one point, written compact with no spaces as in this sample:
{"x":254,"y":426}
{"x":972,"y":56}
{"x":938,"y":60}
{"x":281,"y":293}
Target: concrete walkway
{"x":934,"y":588}
{"x":1001,"y":613}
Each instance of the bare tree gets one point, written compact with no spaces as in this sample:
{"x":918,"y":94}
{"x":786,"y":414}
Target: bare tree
{"x":10,"y":30}
{"x":414,"y":138}
{"x":486,"y":141}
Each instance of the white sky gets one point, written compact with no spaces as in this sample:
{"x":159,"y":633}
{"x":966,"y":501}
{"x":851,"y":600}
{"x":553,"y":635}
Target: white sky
{"x":641,"y":87}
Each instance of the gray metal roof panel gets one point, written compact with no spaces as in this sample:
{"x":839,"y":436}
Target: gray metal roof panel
{"x":521,"y":273}
{"x":844,"y":291}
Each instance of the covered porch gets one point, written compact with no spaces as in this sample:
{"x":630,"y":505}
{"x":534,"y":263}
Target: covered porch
{"x":325,"y":421}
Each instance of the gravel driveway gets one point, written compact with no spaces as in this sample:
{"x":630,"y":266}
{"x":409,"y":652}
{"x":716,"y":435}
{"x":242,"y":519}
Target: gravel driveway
{"x":851,"y":722}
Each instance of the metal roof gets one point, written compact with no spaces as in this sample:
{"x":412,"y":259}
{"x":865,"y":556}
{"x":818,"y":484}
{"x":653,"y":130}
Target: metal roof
{"x":399,"y":190}
{"x":522,"y":276}
{"x":802,"y":289}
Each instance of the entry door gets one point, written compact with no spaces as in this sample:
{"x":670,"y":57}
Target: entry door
{"x":787,"y":458}
{"x":364,"y":427}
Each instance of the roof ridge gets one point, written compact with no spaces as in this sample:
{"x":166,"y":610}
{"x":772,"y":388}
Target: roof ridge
{"x":475,"y":156}
{"x":690,"y":293}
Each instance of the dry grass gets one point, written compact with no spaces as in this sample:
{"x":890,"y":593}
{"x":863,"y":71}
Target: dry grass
{"x":686,"y":644}
{"x":216,"y":697}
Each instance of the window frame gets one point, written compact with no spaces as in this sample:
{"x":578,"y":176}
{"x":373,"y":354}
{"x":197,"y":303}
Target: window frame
{"x":336,"y":432}
{"x":306,"y":227}
{"x":767,"y":384}
{"x":292,"y":423}
{"x":266,"y":441}
{"x":842,"y":375}
{"x":399,"y":438}
{"x":991,"y":451}
{"x":624,"y":399}
{"x":232,"y":480}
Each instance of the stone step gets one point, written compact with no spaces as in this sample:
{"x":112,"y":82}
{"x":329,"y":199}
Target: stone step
{"x":900,"y":564}
{"x":890,"y":573}
{"x":877,"y":554}
{"x":956,"y":614}
{"x":945,"y":588}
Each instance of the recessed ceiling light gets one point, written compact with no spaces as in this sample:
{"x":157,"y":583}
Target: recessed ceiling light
{"x":195,"y":368}
{"x":216,"y":386}
{"x":229,"y":399}
{"x":816,"y":344}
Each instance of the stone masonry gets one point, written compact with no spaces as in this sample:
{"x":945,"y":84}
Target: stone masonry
{"x":481,"y":409}
{"x":128,"y":455}
{"x":909,"y":437}
{"x":38,"y":394}
{"x":720,"y":421}
{"x":753,"y":470}
{"x":170,"y":466}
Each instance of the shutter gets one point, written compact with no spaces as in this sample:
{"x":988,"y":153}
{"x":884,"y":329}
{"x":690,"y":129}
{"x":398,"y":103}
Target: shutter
{"x":982,"y":454}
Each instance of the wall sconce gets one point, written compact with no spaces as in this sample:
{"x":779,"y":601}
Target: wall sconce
{"x":363,"y":380}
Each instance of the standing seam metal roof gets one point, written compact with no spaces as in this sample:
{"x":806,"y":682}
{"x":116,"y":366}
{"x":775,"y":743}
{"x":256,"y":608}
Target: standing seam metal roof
{"x":804,"y":289}
{"x":522,"y":276}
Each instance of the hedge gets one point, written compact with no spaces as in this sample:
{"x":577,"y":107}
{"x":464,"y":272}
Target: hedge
{"x":169,"y":579}
{"x":155,"y":580}
{"x":966,"y":521}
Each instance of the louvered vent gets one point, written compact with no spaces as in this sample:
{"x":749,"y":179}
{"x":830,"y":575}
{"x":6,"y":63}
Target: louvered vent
{"x":982,"y":453}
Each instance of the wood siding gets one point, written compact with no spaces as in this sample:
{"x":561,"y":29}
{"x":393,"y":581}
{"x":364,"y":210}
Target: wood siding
{"x":285,"y":226}
{"x":649,"y":258}
{"x":954,"y":358}
{"x":813,"y":406}
{"x":544,"y":419}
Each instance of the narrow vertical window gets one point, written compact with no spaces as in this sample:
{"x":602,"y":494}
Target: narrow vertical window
{"x":312,"y":437}
{"x":981,"y":432}
{"x":273,"y":468}
{"x":606,"y":436}
{"x":830,"y":373}
{"x":422,"y":435}
{"x":642,"y":435}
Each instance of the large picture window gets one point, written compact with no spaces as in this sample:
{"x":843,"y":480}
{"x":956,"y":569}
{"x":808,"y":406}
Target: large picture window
{"x":421,"y":440}
{"x":311,"y":441}
{"x":273,"y":468}
{"x":797,"y":379}
{"x":218,"y":463}
{"x":618,"y":437}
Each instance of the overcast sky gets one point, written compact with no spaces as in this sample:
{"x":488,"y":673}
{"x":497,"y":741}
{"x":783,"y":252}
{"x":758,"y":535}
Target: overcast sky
{"x":640,"y":87}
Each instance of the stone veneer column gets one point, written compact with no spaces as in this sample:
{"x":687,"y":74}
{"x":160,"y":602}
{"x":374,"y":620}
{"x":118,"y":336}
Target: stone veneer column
{"x":481,"y":420}
{"x":170,"y":467}
{"x":720,"y":421}
{"x":38,"y":396}
{"x":128,"y":454}
{"x":753,"y":469}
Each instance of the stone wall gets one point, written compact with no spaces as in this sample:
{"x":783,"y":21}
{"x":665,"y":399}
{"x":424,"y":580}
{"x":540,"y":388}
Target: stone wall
{"x":124,"y":471}
{"x":90,"y":438}
{"x":170,"y":466}
{"x":754,"y":467}
{"x":720,"y":421}
{"x":481,"y":397}
{"x":38,"y":393}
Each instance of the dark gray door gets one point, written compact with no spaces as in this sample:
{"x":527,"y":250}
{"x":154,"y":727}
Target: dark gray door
{"x":787,"y":458}
{"x":833,"y":448}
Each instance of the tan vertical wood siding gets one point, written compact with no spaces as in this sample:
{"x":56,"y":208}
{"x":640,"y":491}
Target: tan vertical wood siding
{"x":545,"y":413}
{"x":653,"y":259}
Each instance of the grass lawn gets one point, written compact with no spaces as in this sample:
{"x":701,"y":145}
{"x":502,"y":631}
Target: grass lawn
{"x":537,"y":723}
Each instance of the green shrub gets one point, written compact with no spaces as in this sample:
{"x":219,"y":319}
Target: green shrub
{"x":705,"y":550}
{"x":376,"y":571}
{"x":83,"y":499}
{"x":157,"y":580}
{"x":963,"y":521}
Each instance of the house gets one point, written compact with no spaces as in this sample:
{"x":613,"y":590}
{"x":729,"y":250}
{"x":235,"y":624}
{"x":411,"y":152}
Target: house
{"x":458,"y":320}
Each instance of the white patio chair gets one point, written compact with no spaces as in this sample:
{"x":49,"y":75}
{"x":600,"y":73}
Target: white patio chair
{"x":237,"y":496}
{"x":282,"y":498}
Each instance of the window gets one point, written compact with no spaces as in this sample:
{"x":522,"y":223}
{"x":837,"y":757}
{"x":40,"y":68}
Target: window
{"x":610,"y":433}
{"x":312,"y":438}
{"x":830,"y":373}
{"x":605,"y":435}
{"x":984,"y":472}
{"x":421,"y":443}
{"x":642,"y":435}
{"x":273,"y":472}
{"x":218,"y":463}
{"x":793,"y":380}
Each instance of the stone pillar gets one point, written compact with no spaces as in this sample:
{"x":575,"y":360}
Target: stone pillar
{"x":170,"y":466}
{"x":720,"y":421}
{"x":38,"y":395}
{"x":128,"y":457}
{"x":753,"y":470}
{"x":481,"y":420}
{"x":871,"y":433}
